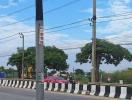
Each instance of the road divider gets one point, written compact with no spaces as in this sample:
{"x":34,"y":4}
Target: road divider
{"x":113,"y":91}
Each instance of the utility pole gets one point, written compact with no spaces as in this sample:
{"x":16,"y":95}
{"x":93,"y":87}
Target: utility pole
{"x":22,"y":36}
{"x":94,"y":43}
{"x":39,"y":51}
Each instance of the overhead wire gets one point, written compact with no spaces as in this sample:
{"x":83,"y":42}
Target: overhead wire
{"x":8,"y":40}
{"x":54,"y":9}
{"x":60,"y":26}
{"x":62,"y":6}
{"x":72,"y":23}
{"x":64,"y":25}
{"x":56,"y":27}
{"x":31,"y":17}
{"x":9,"y":36}
{"x":71,"y":48}
{"x":114,"y":19}
{"x":126,"y":43}
{"x":116,"y":15}
{"x":67,"y":28}
{"x":18,"y":11}
{"x":47,"y":31}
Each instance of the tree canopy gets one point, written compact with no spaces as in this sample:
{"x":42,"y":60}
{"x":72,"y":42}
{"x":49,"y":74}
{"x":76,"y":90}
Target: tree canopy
{"x":54,"y":58}
{"x":16,"y":60}
{"x":79,"y":72}
{"x":106,"y":52}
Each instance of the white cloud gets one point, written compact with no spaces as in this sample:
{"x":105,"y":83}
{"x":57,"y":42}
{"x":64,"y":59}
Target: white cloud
{"x":9,"y":45}
{"x":99,"y":11}
{"x":118,"y":30}
{"x":10,"y":3}
{"x":119,"y":2}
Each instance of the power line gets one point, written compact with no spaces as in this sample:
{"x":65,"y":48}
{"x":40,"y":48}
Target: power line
{"x":15,"y":35}
{"x":115,"y":19}
{"x":60,"y":26}
{"x":52,"y":28}
{"x":27,"y":31}
{"x":56,"y":27}
{"x":72,"y":23}
{"x":46,"y":32}
{"x":62,"y":6}
{"x":67,"y":28}
{"x":5,"y":41}
{"x":71,"y":48}
{"x":125,"y":44}
{"x":29,"y":18}
{"x":49,"y":11}
{"x":17,"y":11}
{"x":79,"y":47}
{"x":12,"y":38}
{"x":31,"y":6}
{"x":57,"y":8}
{"x":116,"y":15}
{"x":8,"y":36}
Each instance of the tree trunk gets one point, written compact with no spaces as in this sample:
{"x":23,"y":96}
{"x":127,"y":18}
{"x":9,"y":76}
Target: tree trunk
{"x":97,"y":73}
{"x":19,"y":69}
{"x":34,"y":72}
{"x":97,"y":68}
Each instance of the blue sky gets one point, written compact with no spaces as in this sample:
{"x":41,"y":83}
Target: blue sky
{"x":118,"y":31}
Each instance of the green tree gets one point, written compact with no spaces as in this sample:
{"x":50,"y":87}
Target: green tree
{"x":79,"y":72}
{"x":106,"y":52}
{"x":54,"y":58}
{"x":16,"y":60}
{"x":2,"y":69}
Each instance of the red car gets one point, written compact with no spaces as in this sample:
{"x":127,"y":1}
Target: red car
{"x":55,"y":79}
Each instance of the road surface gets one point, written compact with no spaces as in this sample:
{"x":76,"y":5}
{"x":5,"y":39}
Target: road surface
{"x":7,"y":93}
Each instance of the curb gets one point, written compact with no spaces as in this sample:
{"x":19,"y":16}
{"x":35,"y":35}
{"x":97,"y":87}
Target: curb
{"x":118,"y":92}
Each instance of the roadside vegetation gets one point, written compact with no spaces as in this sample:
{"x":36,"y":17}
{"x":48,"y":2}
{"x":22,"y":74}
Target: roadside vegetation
{"x":55,"y":60}
{"x":115,"y":77}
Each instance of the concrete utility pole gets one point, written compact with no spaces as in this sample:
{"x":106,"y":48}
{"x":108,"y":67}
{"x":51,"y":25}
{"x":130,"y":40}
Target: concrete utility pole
{"x":39,"y":51}
{"x":94,"y":43}
{"x":22,"y":36}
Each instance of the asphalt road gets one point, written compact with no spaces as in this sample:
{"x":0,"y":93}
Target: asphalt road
{"x":27,"y":94}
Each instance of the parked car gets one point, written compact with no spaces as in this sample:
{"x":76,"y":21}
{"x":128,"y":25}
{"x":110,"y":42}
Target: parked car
{"x":55,"y":79}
